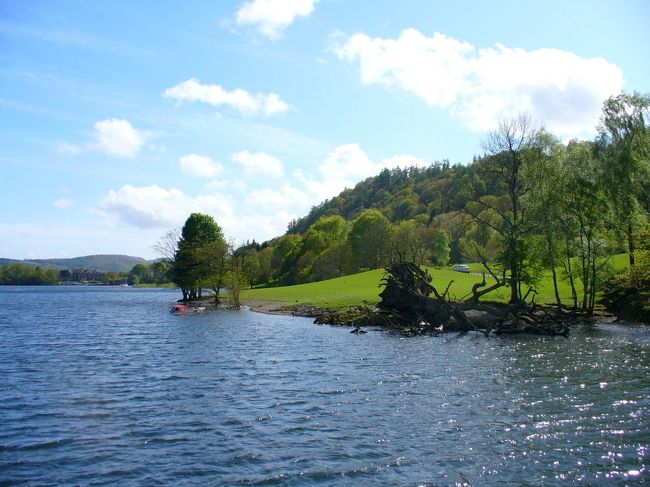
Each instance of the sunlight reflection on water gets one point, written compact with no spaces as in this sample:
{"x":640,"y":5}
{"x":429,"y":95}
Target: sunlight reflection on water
{"x":104,"y":385}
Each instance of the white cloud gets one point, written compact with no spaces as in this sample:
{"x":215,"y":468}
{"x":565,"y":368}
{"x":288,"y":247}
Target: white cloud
{"x":259,"y":209}
{"x":117,"y":137}
{"x":63,"y":203}
{"x":320,"y":190}
{"x":153,"y":206}
{"x":271,"y":17}
{"x":259,"y":163}
{"x":114,"y":136}
{"x":238,"y":99}
{"x":286,"y":198}
{"x":345,"y":166}
{"x":480,"y":86}
{"x":200,"y":166}
{"x":347,"y":161}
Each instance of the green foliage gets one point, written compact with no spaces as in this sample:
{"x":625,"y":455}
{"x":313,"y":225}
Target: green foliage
{"x":201,"y":258}
{"x":439,"y":248}
{"x":370,"y":238}
{"x":142,"y":274}
{"x":408,"y":243}
{"x":542,"y":215}
{"x":247,"y":264}
{"x":624,"y":148}
{"x":22,"y":274}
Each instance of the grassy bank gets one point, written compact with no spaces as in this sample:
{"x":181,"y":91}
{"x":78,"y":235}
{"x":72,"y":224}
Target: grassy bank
{"x":364,"y":288}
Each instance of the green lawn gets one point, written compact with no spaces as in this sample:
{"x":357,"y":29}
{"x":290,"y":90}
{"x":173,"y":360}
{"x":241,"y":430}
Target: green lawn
{"x":363,"y":288}
{"x":343,"y":291}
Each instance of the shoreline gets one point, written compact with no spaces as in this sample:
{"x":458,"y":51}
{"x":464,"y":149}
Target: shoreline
{"x":257,"y":305}
{"x":267,"y":307}
{"x":282,"y":308}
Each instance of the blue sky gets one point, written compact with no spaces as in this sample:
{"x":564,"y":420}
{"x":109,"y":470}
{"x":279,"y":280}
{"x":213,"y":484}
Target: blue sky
{"x":118,"y":119}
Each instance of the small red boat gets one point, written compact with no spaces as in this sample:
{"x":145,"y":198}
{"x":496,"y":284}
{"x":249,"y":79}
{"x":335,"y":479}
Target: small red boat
{"x":184,"y":308}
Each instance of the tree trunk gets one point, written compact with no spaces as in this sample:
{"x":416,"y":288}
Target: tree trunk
{"x":555,"y":288}
{"x":514,"y":283}
{"x":574,"y":294}
{"x":630,"y":243}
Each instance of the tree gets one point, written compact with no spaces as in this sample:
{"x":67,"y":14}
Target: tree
{"x":160,"y":270}
{"x":213,"y":258}
{"x":624,"y":140}
{"x":584,"y":215}
{"x":247,"y":263}
{"x":141,"y":274}
{"x":65,"y":275}
{"x":370,"y":238}
{"x":167,"y":246}
{"x":334,"y":261}
{"x":21,"y":274}
{"x":439,"y":247}
{"x":544,"y":201}
{"x":264,"y":269}
{"x":332,"y":226}
{"x":512,"y":147}
{"x":200,"y":258}
{"x":285,"y":255}
{"x":407,"y":244}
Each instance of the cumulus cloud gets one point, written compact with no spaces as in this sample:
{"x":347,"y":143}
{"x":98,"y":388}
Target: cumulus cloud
{"x":238,"y":99}
{"x":259,"y":163}
{"x":347,"y":161}
{"x":200,"y":166}
{"x":271,"y":17}
{"x":286,"y":198}
{"x":153,"y":206}
{"x":322,"y":189}
{"x":117,"y":137}
{"x":481,"y":86}
{"x":113,"y":136}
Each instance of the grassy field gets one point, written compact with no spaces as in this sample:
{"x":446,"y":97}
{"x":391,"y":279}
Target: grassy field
{"x":364,"y":288}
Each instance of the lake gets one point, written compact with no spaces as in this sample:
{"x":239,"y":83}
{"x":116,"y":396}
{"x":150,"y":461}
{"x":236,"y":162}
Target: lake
{"x":102,"y":385}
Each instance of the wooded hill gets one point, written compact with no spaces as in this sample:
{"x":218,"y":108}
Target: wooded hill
{"x":529,"y":208}
{"x":101,"y":263}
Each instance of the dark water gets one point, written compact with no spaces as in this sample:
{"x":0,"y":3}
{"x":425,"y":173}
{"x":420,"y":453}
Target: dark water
{"x":104,"y":386}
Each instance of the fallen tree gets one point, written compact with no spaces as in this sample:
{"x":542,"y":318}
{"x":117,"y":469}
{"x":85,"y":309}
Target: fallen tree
{"x":412,"y":305}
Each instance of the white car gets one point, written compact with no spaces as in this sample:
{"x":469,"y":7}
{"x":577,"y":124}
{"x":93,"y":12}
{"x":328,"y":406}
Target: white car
{"x":462,"y":268}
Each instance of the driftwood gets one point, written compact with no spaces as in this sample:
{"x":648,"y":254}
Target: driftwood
{"x":479,"y":289}
{"x":412,"y":305}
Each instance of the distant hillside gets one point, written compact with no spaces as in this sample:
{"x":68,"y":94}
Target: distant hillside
{"x":102,"y":263}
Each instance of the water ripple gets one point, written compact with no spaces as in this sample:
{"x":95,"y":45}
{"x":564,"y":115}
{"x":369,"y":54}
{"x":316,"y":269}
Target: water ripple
{"x":104,"y":386}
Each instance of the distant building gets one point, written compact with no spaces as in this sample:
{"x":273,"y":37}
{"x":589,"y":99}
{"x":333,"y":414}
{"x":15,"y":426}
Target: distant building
{"x":86,"y":275}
